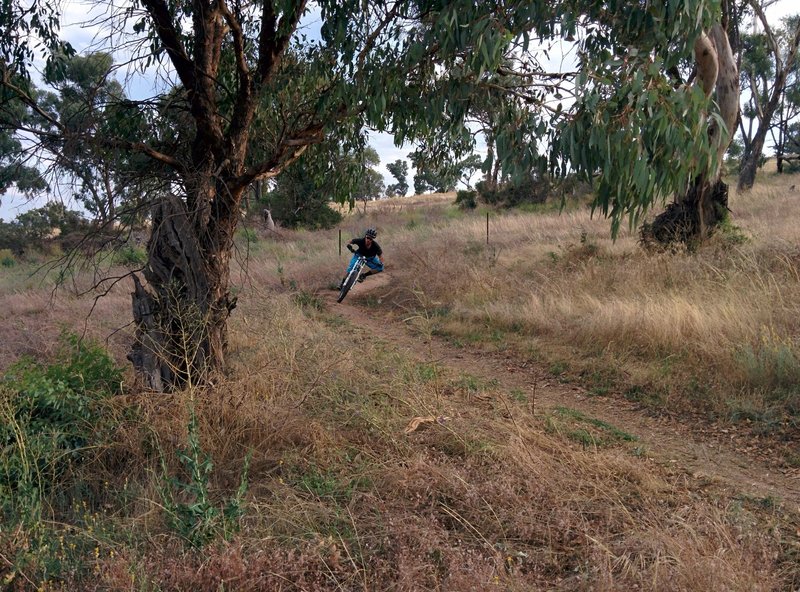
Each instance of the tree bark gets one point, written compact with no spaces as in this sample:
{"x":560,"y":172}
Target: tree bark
{"x":181,"y":315}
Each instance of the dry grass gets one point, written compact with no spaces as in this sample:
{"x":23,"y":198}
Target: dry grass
{"x":340,"y":499}
{"x":495,"y":498}
{"x":716,"y":328}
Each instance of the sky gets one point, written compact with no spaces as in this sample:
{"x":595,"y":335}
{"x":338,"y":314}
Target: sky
{"x":84,"y":37}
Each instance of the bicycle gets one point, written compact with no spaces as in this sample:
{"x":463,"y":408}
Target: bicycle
{"x":352,"y":277}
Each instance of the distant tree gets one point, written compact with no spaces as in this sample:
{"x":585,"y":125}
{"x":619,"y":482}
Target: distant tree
{"x":88,"y":102}
{"x":768,"y":60}
{"x":39,"y":223}
{"x":370,"y":185}
{"x":791,"y":148}
{"x":784,"y":134}
{"x":443,"y":174}
{"x":304,"y":192}
{"x":399,"y":170}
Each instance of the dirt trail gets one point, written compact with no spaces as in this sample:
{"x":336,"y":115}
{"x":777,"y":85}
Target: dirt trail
{"x":729,"y":462}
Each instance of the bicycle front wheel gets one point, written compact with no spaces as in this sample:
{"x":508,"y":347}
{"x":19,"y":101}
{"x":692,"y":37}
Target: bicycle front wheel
{"x":348,"y":282}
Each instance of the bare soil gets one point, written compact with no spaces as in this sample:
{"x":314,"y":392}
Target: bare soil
{"x":725,"y":461}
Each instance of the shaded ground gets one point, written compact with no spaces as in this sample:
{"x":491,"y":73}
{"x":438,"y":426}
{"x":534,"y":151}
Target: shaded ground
{"x":726,"y":461}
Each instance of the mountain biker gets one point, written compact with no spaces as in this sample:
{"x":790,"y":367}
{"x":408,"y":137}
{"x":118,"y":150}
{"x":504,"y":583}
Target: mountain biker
{"x":370,"y":249}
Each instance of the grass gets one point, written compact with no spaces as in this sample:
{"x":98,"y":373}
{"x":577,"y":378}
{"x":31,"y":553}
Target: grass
{"x":553,"y":279}
{"x":493,"y":497}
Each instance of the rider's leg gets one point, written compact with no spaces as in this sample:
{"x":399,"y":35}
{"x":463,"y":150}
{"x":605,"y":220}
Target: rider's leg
{"x":375,"y":266}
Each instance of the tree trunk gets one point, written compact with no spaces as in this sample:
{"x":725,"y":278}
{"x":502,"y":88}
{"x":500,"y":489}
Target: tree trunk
{"x":689,"y":220}
{"x":747,"y":174}
{"x":693,"y":216}
{"x":181,"y":315}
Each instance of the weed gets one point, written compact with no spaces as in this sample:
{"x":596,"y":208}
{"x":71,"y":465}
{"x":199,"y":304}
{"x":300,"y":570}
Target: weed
{"x":601,"y":382}
{"x":469,"y":384}
{"x":792,"y":458}
{"x":248,"y":235}
{"x":49,"y":417}
{"x":327,"y":483}
{"x":198,"y":520}
{"x":7,"y":258}
{"x":519,"y":395}
{"x":559,"y":369}
{"x":308,"y":300}
{"x":772,"y":364}
{"x":732,"y":234}
{"x":427,"y":372}
{"x":49,"y":414}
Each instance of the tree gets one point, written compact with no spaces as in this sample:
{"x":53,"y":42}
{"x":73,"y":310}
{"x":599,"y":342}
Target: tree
{"x":304,"y":192}
{"x":369,"y":185}
{"x":443,"y":174}
{"x":791,"y":146}
{"x":39,"y":223}
{"x":89,"y":102}
{"x":772,"y":56}
{"x":784,"y":134}
{"x":243,"y":70}
{"x":15,"y":172}
{"x":399,"y":170}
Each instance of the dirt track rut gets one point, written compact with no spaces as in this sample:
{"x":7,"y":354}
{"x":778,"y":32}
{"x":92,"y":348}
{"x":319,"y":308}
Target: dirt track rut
{"x":730,"y":461}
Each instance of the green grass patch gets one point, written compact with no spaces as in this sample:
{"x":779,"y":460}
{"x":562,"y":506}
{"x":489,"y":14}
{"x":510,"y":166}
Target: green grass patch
{"x":585,"y":430}
{"x":327,"y":483}
{"x":308,"y":300}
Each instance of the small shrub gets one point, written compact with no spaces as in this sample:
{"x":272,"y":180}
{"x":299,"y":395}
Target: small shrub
{"x":467,"y":200}
{"x":7,"y":258}
{"x":772,"y":364}
{"x":249,"y":235}
{"x":130,"y":256}
{"x":47,"y":417}
{"x":731,"y":233}
{"x":529,"y":191}
{"x":308,"y":300}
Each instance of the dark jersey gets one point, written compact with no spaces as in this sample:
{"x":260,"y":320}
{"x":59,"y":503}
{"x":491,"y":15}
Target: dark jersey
{"x":371,"y":251}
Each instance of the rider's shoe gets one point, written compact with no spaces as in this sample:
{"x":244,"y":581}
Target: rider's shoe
{"x":363,"y":276}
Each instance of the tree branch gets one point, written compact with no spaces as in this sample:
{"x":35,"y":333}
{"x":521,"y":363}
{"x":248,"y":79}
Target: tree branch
{"x":285,"y":154}
{"x":275,"y":36}
{"x":159,"y":12}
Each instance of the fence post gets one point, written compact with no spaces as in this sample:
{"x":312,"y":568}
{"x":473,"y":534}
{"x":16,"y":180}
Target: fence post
{"x":487,"y":228}
{"x":340,"y":242}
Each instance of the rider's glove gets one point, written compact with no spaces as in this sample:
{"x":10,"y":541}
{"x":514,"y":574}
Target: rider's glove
{"x":352,"y":248}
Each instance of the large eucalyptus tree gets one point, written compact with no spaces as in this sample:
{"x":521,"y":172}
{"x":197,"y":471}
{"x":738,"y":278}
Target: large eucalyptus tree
{"x":241,"y":69}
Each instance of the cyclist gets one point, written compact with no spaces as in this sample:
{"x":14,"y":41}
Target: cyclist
{"x":369,"y":248}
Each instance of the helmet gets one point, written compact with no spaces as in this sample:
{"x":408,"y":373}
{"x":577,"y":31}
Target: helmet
{"x":370,"y":233}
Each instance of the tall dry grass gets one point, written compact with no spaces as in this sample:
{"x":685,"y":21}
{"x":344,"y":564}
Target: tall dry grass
{"x":341,"y":499}
{"x":493,"y":498}
{"x":716,"y":329}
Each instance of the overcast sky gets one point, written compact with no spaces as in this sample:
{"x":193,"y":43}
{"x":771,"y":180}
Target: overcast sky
{"x":85,"y":37}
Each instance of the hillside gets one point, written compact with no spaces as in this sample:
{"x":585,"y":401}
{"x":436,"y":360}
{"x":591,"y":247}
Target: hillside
{"x":545,"y":410}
